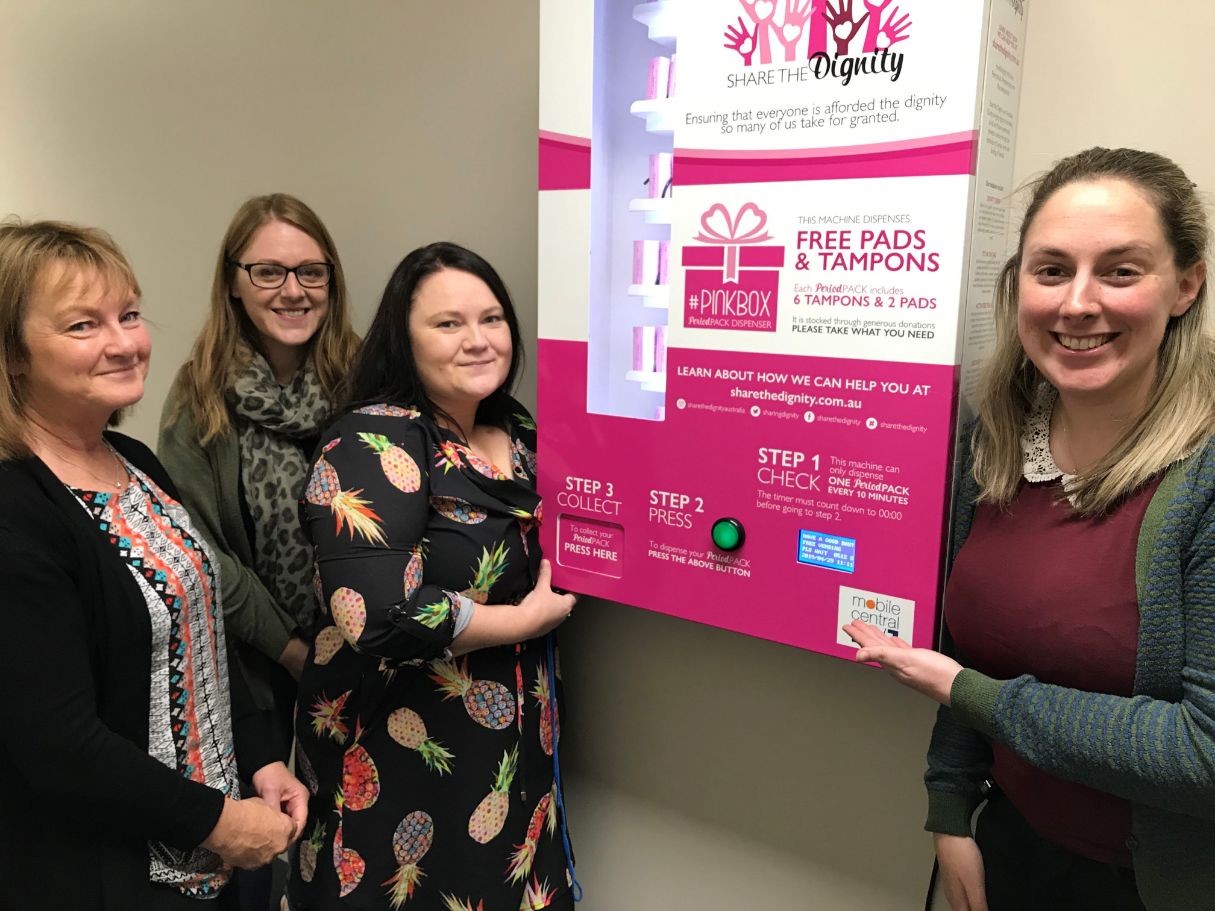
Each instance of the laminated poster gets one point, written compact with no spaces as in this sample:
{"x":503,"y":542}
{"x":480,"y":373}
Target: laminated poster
{"x":769,"y":232}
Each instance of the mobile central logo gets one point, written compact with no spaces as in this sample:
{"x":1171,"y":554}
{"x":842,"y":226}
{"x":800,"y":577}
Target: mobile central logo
{"x":817,"y":39}
{"x":877,"y":611}
{"x":894,"y":615}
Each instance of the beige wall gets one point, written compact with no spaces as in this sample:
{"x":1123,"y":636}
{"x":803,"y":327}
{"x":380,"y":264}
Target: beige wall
{"x":706,"y":770}
{"x":156,"y":120}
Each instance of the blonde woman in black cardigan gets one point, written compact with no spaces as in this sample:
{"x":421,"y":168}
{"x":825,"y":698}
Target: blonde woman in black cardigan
{"x":116,"y":752}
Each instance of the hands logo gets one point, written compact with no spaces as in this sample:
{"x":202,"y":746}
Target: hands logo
{"x":809,"y":29}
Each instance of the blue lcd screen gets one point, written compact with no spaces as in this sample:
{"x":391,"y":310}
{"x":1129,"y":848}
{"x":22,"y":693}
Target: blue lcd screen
{"x":816,"y":548}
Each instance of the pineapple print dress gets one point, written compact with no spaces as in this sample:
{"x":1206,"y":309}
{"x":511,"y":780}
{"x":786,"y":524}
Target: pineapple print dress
{"x":431,"y":777}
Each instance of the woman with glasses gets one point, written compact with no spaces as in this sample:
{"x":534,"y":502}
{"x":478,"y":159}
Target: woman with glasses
{"x":236,"y":433}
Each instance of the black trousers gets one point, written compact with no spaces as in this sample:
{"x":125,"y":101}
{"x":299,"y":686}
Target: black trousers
{"x":255,"y":888}
{"x":167,"y":899}
{"x":1027,"y":873}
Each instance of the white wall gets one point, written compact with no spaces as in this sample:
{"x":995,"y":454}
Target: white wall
{"x":706,"y":770}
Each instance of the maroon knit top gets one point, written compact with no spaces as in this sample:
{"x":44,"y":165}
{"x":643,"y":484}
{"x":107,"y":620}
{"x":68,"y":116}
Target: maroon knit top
{"x":1038,"y":590}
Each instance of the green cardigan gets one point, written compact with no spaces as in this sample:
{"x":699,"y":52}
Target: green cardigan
{"x":1155,"y":748}
{"x":208,"y":478}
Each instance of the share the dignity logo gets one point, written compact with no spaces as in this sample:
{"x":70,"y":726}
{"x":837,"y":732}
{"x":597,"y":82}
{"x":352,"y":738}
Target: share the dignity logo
{"x":895,"y":616}
{"x":731,"y":276}
{"x":830,"y":38}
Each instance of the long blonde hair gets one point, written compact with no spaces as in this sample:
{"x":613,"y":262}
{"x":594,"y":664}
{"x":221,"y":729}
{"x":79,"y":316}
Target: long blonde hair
{"x":223,"y":346}
{"x":28,"y":254}
{"x":1180,"y":412}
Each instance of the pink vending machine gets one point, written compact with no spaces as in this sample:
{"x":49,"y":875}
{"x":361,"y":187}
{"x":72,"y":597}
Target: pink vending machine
{"x":769,"y":232}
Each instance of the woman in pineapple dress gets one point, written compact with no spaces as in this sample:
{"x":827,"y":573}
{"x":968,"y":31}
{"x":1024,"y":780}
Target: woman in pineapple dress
{"x":426,"y":723}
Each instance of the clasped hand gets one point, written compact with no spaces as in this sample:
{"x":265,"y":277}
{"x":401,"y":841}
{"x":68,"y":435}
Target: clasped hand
{"x":252,"y":832}
{"x":922,"y":669}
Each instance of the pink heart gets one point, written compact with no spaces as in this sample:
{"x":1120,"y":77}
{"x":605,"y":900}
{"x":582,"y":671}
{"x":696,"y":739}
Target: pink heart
{"x":750,"y":220}
{"x":716,"y":221}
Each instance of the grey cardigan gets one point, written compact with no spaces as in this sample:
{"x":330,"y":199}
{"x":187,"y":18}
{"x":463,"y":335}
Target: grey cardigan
{"x":1155,"y":748}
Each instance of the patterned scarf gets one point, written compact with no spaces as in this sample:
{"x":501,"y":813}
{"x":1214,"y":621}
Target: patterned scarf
{"x":274,"y":424}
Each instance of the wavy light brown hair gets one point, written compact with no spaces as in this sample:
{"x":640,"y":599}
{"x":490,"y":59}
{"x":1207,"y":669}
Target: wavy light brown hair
{"x":1181,"y":411}
{"x":43,"y":257}
{"x":224,"y":345}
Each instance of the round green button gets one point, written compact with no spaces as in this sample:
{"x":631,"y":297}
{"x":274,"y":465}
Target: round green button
{"x":728,"y":534}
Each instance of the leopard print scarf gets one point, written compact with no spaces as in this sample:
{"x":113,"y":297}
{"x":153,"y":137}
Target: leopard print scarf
{"x":274,"y":425}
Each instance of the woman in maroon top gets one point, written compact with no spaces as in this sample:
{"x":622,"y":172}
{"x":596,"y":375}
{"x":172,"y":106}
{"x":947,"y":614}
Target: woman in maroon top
{"x":1101,"y":380}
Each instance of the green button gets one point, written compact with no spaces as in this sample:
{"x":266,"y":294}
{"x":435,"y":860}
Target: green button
{"x":728,"y":534}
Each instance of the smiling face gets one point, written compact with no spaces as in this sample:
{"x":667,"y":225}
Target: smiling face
{"x":460,"y":340}
{"x":86,"y":348}
{"x":287,"y":317}
{"x":1097,"y":287}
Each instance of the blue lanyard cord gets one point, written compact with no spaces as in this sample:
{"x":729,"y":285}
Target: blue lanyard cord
{"x":575,"y":886}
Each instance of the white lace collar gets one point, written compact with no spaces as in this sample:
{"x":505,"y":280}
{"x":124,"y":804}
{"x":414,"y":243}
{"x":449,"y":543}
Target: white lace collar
{"x":1038,"y":464}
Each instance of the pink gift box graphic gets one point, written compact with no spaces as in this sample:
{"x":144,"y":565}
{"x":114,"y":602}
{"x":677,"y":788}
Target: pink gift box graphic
{"x":732,"y":282}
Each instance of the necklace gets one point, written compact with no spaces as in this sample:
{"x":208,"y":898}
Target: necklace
{"x":121,"y":479}
{"x":1066,"y":446}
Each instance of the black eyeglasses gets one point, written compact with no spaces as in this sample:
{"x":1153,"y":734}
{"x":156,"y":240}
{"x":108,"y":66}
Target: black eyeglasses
{"x":273,"y":275}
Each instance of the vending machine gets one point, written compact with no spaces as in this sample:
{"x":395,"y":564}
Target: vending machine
{"x":769,"y":232}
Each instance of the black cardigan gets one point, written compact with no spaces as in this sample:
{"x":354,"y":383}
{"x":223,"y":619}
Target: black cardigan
{"x":82,"y":797}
